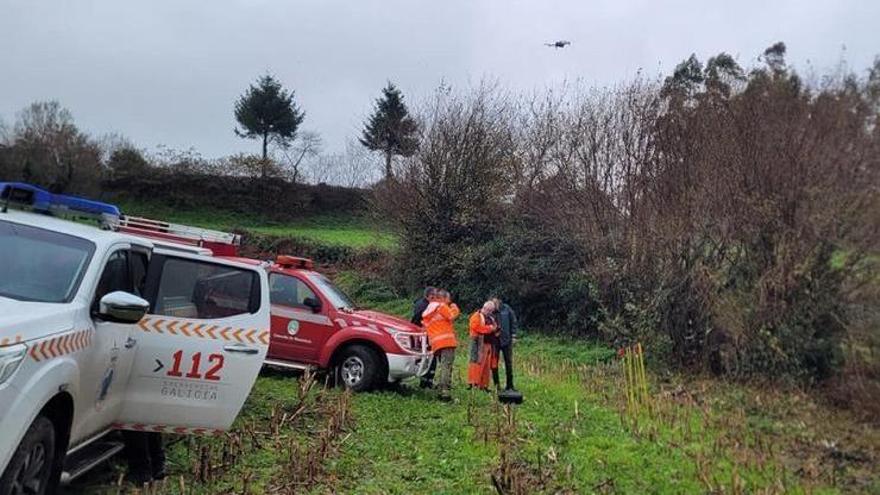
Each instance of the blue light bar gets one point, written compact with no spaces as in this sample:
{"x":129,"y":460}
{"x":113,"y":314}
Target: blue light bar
{"x":42,"y":201}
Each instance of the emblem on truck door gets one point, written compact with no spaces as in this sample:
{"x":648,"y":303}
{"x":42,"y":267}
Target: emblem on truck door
{"x":293,"y":327}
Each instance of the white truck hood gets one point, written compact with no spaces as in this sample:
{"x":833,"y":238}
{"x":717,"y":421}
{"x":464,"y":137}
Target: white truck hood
{"x":23,"y":321}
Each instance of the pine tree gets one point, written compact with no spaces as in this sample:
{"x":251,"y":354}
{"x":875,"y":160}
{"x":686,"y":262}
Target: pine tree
{"x":391,"y":129}
{"x":267,"y":111}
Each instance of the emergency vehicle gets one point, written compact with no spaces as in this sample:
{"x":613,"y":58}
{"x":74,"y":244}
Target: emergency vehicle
{"x":103,"y":329}
{"x":316,"y":326}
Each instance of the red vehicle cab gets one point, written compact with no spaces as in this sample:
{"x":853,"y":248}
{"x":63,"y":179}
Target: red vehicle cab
{"x":316,"y":326}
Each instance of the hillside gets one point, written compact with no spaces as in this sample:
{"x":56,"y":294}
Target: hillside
{"x":335,"y":230}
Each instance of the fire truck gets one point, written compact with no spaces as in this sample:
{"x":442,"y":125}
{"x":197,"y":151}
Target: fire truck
{"x":316,"y":326}
{"x":102,"y":329}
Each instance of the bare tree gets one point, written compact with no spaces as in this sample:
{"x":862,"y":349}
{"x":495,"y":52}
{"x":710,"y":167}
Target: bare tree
{"x":112,"y":142}
{"x":355,"y":167}
{"x":53,"y":152}
{"x":5,"y":135}
{"x":459,"y":176}
{"x":307,"y":146}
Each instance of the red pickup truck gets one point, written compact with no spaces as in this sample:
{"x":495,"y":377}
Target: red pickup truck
{"x":316,"y":326}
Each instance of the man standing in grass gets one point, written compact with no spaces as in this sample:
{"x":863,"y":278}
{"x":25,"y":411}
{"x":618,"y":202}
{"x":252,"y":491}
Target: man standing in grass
{"x":438,"y":320}
{"x":507,"y":325}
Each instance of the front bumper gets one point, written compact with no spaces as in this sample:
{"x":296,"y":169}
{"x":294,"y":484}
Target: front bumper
{"x":402,"y":366}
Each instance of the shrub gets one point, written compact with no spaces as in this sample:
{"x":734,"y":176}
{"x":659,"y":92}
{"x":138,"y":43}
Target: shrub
{"x":720,"y":217}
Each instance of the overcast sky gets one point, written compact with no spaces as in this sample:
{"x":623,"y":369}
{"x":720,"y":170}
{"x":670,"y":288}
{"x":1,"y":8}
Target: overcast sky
{"x":168,"y":71}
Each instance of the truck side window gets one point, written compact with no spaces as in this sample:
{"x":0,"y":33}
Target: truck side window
{"x":195,"y":289}
{"x":114,"y":277}
{"x":288,"y":291}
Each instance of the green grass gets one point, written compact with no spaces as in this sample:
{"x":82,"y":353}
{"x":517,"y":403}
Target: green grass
{"x":351,"y":231}
{"x":414,"y":444}
{"x":570,"y":436}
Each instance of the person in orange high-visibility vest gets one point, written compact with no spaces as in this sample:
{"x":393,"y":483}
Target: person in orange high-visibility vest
{"x":437,"y":319}
{"x":483,"y":354}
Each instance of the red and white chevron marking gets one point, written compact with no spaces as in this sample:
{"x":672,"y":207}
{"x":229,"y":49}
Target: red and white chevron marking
{"x":60,"y":345}
{"x":184,"y":328}
{"x":176,"y":430}
{"x":5,"y":341}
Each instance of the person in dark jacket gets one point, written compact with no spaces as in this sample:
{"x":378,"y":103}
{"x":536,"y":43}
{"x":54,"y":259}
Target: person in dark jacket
{"x":505,"y":317}
{"x":420,"y":304}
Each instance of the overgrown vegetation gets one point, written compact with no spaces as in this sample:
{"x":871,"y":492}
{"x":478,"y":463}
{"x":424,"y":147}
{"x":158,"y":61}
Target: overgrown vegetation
{"x":575,"y":433}
{"x":725,"y":217}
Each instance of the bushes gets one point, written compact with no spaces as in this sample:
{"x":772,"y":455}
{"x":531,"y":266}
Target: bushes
{"x":275,"y":198}
{"x":705,"y":216}
{"x":368,"y":261}
{"x":267,"y":246}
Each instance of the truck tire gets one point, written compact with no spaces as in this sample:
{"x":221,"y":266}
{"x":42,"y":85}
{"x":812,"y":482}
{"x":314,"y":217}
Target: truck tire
{"x":358,"y":368}
{"x":30,"y":469}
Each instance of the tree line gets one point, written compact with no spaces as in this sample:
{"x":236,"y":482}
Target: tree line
{"x":45,"y":146}
{"x":725,"y":217}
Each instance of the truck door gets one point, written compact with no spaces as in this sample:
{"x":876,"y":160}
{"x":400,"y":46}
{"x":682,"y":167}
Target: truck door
{"x":201,"y":346}
{"x":106,"y":364}
{"x":298,"y":331}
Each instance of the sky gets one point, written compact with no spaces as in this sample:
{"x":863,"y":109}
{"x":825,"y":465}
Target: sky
{"x":167,"y":72}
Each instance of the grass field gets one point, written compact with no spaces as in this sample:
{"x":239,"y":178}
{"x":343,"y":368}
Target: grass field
{"x":349,"y":231}
{"x":577,"y":432}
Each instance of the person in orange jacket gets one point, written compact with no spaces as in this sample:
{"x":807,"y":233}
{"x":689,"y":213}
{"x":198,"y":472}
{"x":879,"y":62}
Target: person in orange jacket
{"x":438,"y":320}
{"x":483,"y":353}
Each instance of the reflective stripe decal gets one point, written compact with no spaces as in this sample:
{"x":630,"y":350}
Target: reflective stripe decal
{"x":60,"y":345}
{"x":185,"y":328}
{"x":293,"y":314}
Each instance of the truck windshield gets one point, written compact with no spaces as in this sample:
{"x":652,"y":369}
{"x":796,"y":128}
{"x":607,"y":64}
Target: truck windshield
{"x":336,"y":297}
{"x":41,"y":265}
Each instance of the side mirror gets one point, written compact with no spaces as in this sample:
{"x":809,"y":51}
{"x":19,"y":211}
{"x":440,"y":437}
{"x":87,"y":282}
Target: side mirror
{"x":122,"y":307}
{"x":313,"y":303}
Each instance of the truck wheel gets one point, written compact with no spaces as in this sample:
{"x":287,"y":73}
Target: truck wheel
{"x":30,"y":468}
{"x":358,"y":368}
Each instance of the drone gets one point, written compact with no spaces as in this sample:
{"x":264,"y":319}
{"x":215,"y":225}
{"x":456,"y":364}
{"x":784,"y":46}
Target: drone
{"x":558,"y":44}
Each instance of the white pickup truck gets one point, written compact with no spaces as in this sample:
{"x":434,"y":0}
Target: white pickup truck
{"x":101,"y":330}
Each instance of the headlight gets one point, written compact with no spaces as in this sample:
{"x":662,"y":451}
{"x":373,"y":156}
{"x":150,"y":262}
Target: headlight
{"x":10,"y":357}
{"x":406,"y":340}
